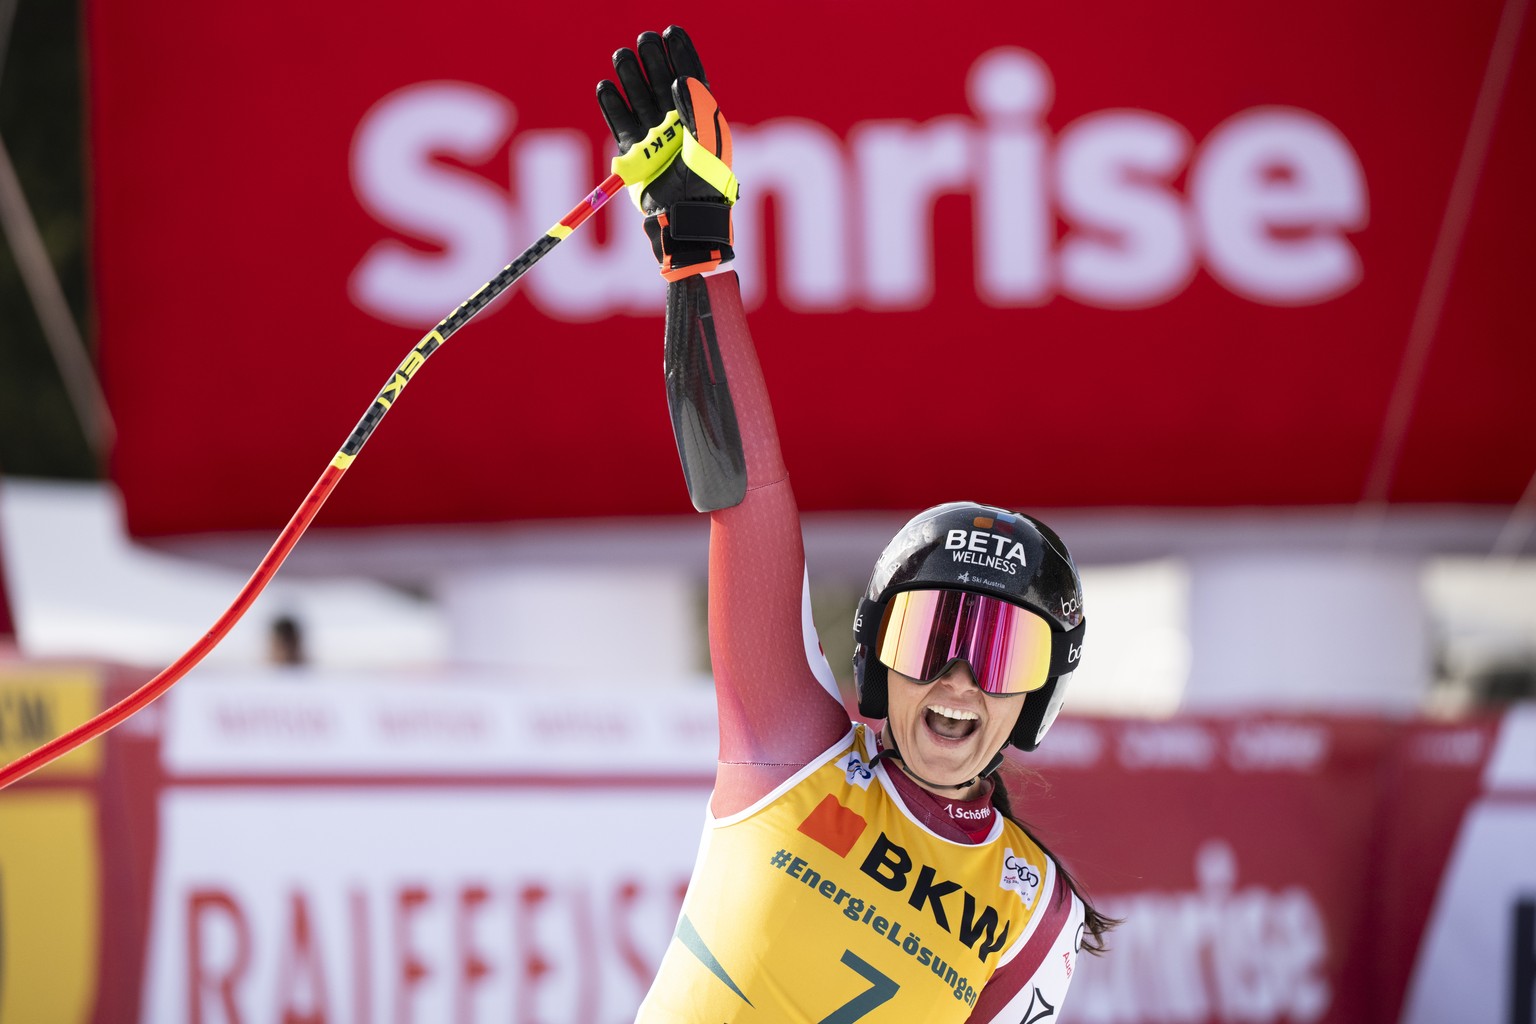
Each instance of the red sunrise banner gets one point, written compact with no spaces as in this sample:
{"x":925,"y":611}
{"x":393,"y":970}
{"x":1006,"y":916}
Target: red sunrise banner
{"x":1058,"y":256}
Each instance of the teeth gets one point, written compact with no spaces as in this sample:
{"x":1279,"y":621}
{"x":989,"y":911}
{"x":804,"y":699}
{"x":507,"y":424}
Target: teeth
{"x":964,"y":716}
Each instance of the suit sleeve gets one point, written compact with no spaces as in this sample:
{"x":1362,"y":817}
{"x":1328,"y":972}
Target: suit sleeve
{"x":1030,"y":987}
{"x":779,"y":705}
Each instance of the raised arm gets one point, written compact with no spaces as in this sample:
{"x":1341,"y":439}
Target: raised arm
{"x":778,"y":702}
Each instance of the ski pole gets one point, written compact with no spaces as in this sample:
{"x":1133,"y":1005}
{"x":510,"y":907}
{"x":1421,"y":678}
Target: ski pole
{"x":305,"y":514}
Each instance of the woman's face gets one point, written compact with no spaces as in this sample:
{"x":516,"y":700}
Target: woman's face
{"x":948,"y":730}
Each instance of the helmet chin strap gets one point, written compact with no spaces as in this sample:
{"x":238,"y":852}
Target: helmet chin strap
{"x":894,"y":753}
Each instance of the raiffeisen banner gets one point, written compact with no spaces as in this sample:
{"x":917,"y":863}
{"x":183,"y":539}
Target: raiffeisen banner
{"x":425,"y":848}
{"x":1056,"y":257}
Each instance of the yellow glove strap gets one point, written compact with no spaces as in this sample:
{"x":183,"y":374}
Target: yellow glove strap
{"x":711,"y":168}
{"x":650,"y":156}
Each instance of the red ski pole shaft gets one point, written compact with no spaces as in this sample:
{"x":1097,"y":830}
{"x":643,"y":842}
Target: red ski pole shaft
{"x":305,"y":514}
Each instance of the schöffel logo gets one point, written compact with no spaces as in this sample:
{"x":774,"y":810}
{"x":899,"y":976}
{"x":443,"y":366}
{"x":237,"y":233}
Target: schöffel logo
{"x":967,"y":813}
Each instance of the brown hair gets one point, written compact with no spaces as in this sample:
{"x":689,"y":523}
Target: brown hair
{"x":1095,"y":925}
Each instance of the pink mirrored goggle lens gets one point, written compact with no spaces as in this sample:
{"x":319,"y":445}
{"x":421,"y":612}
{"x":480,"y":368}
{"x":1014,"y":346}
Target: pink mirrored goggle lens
{"x":1008,"y":648}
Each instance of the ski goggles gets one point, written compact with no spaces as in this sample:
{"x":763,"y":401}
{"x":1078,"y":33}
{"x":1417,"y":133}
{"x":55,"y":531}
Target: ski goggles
{"x":1009,"y":649}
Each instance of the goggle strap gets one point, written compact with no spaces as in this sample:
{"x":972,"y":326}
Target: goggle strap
{"x":1067,"y":650}
{"x":867,"y":622}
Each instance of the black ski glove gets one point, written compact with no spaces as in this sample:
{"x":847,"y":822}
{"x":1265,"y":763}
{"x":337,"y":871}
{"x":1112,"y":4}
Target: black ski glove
{"x":674,"y":151}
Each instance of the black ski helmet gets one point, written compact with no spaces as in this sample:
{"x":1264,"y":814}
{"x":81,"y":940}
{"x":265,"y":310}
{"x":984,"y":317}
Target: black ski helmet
{"x":936,"y":551}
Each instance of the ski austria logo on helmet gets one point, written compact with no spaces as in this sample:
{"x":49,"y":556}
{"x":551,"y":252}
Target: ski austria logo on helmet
{"x":1020,"y":876}
{"x":967,"y":578}
{"x":985,"y":548}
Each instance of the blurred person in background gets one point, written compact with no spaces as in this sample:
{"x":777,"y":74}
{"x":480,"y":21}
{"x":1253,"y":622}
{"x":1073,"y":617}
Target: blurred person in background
{"x":286,"y":642}
{"x":844,"y":870}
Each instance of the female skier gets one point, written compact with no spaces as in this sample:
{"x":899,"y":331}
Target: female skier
{"x":846,"y":874}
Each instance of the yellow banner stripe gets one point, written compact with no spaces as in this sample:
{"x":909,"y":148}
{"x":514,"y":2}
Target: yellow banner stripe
{"x":40,"y":704}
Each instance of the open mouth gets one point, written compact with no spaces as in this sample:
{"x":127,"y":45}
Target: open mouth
{"x":951,"y":723}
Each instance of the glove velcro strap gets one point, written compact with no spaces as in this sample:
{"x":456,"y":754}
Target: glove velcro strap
{"x":680,"y":258}
{"x":700,"y":222}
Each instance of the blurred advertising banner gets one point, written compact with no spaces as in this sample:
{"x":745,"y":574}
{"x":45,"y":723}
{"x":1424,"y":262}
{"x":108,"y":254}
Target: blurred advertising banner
{"x":1482,"y":922}
{"x":1299,"y":869}
{"x":446,"y":850}
{"x":70,"y":903}
{"x":421,"y":853}
{"x":1182,"y":259}
{"x":50,"y":846}
{"x":1233,"y":850}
